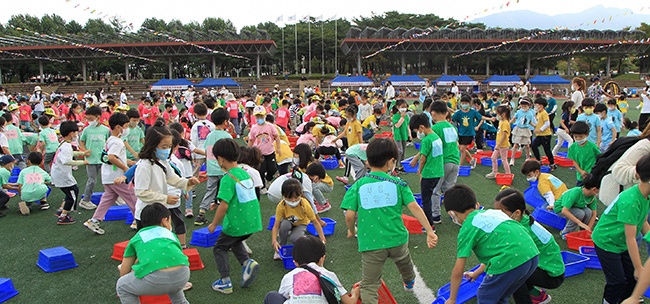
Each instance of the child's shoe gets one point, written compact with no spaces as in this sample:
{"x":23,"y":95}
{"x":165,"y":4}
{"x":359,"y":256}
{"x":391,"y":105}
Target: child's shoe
{"x":200,"y":220}
{"x":512,"y":162}
{"x":473,"y":163}
{"x":65,"y":220}
{"x":408,"y":286}
{"x":491,"y":175}
{"x":45,"y":206}
{"x":189,"y":213}
{"x":553,"y":167}
{"x":187,"y":286}
{"x":24,"y":210}
{"x":341,"y":165}
{"x":94,"y":226}
{"x":87,"y":205}
{"x":324,"y":207}
{"x":342,"y":179}
{"x":222,"y":286}
{"x":437,"y":220}
{"x":249,"y":272}
{"x":543,"y":298}
{"x":134,"y":225}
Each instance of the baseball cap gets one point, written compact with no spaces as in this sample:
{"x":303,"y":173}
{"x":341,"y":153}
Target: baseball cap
{"x":259,"y":110}
{"x":6,"y":159}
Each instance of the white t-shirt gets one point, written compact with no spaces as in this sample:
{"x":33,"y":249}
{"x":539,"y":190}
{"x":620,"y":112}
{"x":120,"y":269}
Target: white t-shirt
{"x":114,"y":146}
{"x":275,"y":189}
{"x":577,"y":98}
{"x":254,"y":174}
{"x":454,"y":90}
{"x":149,"y":176}
{"x":646,"y":104}
{"x":3,"y":141}
{"x":199,"y":133}
{"x":364,"y":111}
{"x":123,"y":99}
{"x":308,"y":289}
{"x":171,"y":189}
{"x":62,"y":174}
{"x":4,"y":100}
{"x":186,"y":164}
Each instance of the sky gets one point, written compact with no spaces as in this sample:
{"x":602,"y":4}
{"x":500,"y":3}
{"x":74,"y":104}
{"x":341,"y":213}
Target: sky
{"x":249,"y":12}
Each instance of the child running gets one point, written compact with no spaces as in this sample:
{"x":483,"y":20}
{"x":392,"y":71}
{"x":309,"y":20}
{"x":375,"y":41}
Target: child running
{"x":49,"y":141}
{"x":524,"y":121}
{"x":469,"y":121}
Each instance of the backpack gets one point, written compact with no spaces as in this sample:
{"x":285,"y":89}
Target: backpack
{"x":606,"y":159}
{"x":328,"y":286}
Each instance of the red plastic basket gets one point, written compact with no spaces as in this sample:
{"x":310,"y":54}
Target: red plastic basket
{"x":162,"y":299}
{"x":484,"y":153}
{"x":563,"y":161}
{"x":385,"y":296}
{"x":545,"y":161}
{"x":412,"y":224}
{"x":579,"y":238}
{"x":383,"y":123}
{"x":517,"y":154}
{"x":118,"y":250}
{"x":194,"y":258}
{"x":504,"y":179}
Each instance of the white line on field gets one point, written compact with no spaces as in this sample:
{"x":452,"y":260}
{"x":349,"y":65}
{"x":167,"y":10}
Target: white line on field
{"x":423,"y":293}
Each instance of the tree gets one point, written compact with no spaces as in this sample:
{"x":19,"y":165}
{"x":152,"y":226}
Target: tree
{"x":73,"y":27}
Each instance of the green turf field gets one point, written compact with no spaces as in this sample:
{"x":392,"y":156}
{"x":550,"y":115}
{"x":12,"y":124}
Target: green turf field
{"x":94,"y":280}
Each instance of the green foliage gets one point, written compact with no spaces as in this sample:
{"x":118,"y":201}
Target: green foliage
{"x":394,"y":19}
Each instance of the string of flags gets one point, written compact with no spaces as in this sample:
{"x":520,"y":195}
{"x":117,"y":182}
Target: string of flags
{"x":596,"y":48}
{"x":33,"y":57}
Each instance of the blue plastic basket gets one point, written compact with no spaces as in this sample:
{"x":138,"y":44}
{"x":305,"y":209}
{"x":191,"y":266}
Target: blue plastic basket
{"x":574,"y":264}
{"x":416,"y":145}
{"x":129,"y":218}
{"x":330,"y":163}
{"x":590,"y":252}
{"x":466,"y":292}
{"x":7,"y":290}
{"x":563,"y":154}
{"x":95,"y":198}
{"x":327,"y":230}
{"x":533,"y":198}
{"x":15,"y":171}
{"x":56,"y":259}
{"x":203,"y":238}
{"x":464,"y":170}
{"x":117,"y":213}
{"x":407,"y":165}
{"x":204,"y":168}
{"x":549,"y":218}
{"x":286,"y":253}
{"x":487,"y":161}
{"x":491,"y":143}
{"x":13,"y":179}
{"x":347,"y":187}
{"x":418,"y":198}
{"x":545,"y":169}
{"x":564,"y":145}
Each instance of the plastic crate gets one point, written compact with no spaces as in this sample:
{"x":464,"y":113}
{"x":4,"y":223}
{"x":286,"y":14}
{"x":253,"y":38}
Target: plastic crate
{"x":129,"y":218}
{"x":416,"y":145}
{"x":161,"y":299}
{"x":464,"y":170}
{"x":533,"y":198}
{"x":545,"y":169}
{"x":286,"y":254}
{"x":487,"y":161}
{"x":327,"y":230}
{"x":13,"y":179}
{"x":563,"y":154}
{"x":483,"y":153}
{"x":466,"y":292}
{"x":385,"y":296}
{"x":271,"y":222}
{"x":504,"y":179}
{"x":418,"y":198}
{"x":517,"y":154}
{"x":545,"y":161}
{"x":203,"y":238}
{"x":384,"y":135}
{"x":118,"y":250}
{"x":330,"y":163}
{"x":491,"y":143}
{"x":117,"y":213}
{"x":574,"y":264}
{"x":15,"y":171}
{"x":204,"y":168}
{"x":7,"y":290}
{"x":412,"y":224}
{"x":407,"y":165}
{"x":563,"y":161}
{"x":95,"y":198}
{"x":579,"y":238}
{"x":549,"y":218}
{"x":194,"y":258}
{"x":564,"y":145}
{"x":56,"y":259}
{"x":590,"y":252}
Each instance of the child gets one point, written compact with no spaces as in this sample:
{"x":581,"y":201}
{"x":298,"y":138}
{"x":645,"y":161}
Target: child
{"x":114,"y":165}
{"x":569,"y":115}
{"x":593,"y":121}
{"x":154,"y":173}
{"x":238,"y":212}
{"x":249,"y":159}
{"x":550,"y":268}
{"x":502,"y":142}
{"x":6,"y":165}
{"x":468,"y":121}
{"x":505,"y":247}
{"x":622,"y":104}
{"x":451,"y":153}
{"x":431,"y":168}
{"x":524,"y":121}
{"x":154,"y":263}
{"x":578,"y":205}
{"x":25,"y":115}
{"x":15,"y":140}
{"x":321,"y":182}
{"x":632,"y":126}
{"x":328,"y":146}
{"x":615,"y":114}
{"x":615,"y":236}
{"x":283,"y":115}
{"x":608,"y":127}
{"x":370,"y":125}
{"x":301,"y":286}
{"x":265,"y":137}
{"x":167,"y":115}
{"x":543,"y":133}
{"x":549,"y":186}
{"x":381,"y":232}
{"x":353,"y":132}
{"x":31,"y":184}
{"x":584,"y":152}
{"x":93,"y":139}
{"x":356,"y":161}
{"x":401,"y":132}
{"x":365,"y":108}
{"x":184,"y":155}
{"x":199,"y":134}
{"x":62,"y":164}
{"x":221,"y":121}
{"x":307,"y":137}
{"x":48,"y":140}
{"x":180,"y":171}
{"x":292,"y":215}
{"x":134,"y":140}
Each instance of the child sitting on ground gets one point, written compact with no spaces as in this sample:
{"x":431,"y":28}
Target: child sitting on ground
{"x":31,"y":183}
{"x":578,"y":205}
{"x":300,"y":285}
{"x":154,"y":263}
{"x":584,"y":152}
{"x":292,"y":215}
{"x":549,"y":186}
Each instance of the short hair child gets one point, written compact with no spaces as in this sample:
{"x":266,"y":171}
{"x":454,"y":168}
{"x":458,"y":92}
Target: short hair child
{"x":524,"y":120}
{"x":549,"y":186}
{"x":594,"y":122}
{"x":292,"y":215}
{"x":389,"y":229}
{"x":49,"y":141}
{"x":239,"y":214}
{"x":578,"y":205}
{"x":158,"y":259}
{"x":615,"y":237}
{"x":31,"y":182}
{"x":199,"y":133}
{"x":543,"y":132}
{"x":583,"y":152}
{"x":249,"y":159}
{"x":467,"y":119}
{"x":507,"y":249}
{"x":321,"y":184}
{"x":502,"y":141}
{"x":93,"y":138}
{"x":607,"y":127}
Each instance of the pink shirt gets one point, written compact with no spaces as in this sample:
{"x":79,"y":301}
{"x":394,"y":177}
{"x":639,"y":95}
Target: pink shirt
{"x":334,"y":121}
{"x":264,"y":137}
{"x":328,"y":141}
{"x":282,"y":117}
{"x":307,"y":138}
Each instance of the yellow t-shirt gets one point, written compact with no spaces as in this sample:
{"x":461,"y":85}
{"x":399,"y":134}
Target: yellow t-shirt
{"x":352,"y":129}
{"x":327,"y":180}
{"x":316,"y":131}
{"x":504,"y":133}
{"x":370,"y":119}
{"x":542,"y":117}
{"x":285,"y":149}
{"x":302,"y":214}
{"x":454,"y":103}
{"x":623,"y":105}
{"x":548,"y":182}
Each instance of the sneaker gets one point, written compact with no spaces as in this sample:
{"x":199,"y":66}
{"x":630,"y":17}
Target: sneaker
{"x":187,"y":286}
{"x":222,"y":287}
{"x":200,"y":220}
{"x":553,"y":167}
{"x":134,"y":225}
{"x":58,"y":213}
{"x":189,"y":213}
{"x":342,"y":179}
{"x":542,"y":298}
{"x":409,"y":144}
{"x":276,"y":256}
{"x":341,"y":165}
{"x":94,"y":226}
{"x":512,"y":162}
{"x":323,"y":208}
{"x":491,"y":175}
{"x":473,"y":163}
{"x":45,"y":206}
{"x":249,"y":272}
{"x":65,"y":220}
{"x":263,"y":191}
{"x":248,"y":249}
{"x":408,"y":285}
{"x":437,"y":220}
{"x":87,"y":205}
{"x":119,"y":201}
{"x":24,"y":210}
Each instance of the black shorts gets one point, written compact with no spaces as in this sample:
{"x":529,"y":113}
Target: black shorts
{"x":177,"y":221}
{"x":465,"y":140}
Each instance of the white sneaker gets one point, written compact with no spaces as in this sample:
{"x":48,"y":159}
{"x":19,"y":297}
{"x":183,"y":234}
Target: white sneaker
{"x":94,"y":226}
{"x":276,"y":256}
{"x":119,"y":201}
{"x":87,"y":205}
{"x":187,"y":286}
{"x":134,"y":225}
{"x":263,"y":191}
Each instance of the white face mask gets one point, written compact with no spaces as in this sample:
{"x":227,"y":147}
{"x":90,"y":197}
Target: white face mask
{"x":582,"y":141}
{"x":293,"y":204}
{"x":647,"y":82}
{"x":420,"y":135}
{"x":531,"y":179}
{"x":454,"y":219}
{"x":93,"y":123}
{"x":402,"y":110}
{"x":573,"y":88}
{"x":125,"y":132}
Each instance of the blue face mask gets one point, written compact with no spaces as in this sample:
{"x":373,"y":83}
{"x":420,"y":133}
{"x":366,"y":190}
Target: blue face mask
{"x":260,"y":121}
{"x":163,"y":154}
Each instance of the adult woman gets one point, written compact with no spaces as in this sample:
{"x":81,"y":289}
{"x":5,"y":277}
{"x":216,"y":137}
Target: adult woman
{"x":645,"y":100}
{"x":578,"y":86}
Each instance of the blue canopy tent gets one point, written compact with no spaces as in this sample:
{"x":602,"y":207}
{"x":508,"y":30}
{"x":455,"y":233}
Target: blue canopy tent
{"x":502,"y":80}
{"x":406,"y":80}
{"x":171,"y":84}
{"x":552,"y":79}
{"x":351,"y":81}
{"x":461,"y":80}
{"x":218,"y":82}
